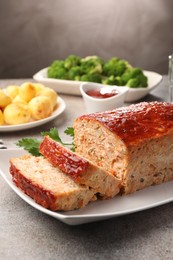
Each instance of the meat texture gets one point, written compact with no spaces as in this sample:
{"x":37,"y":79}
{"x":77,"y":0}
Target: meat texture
{"x":80,"y":169}
{"x":134,"y":143}
{"x":48,"y":185}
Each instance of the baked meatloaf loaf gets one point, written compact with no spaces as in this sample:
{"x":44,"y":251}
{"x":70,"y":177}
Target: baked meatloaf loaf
{"x":134,"y":143}
{"x":80,"y":169}
{"x":48,"y":185}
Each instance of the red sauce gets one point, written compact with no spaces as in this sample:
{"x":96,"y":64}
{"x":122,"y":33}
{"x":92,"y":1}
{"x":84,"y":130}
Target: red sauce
{"x":102,"y":93}
{"x":63,"y":158}
{"x":136,"y":123}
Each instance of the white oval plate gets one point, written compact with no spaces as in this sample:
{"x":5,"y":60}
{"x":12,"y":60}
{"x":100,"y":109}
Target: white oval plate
{"x":99,"y":210}
{"x":73,"y":87}
{"x":56,"y":113}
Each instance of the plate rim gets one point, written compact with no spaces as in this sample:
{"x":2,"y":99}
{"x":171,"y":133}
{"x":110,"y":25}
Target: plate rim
{"x":72,"y":217}
{"x":58,"y":111}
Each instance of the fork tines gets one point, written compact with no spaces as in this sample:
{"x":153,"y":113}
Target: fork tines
{"x":2,"y":146}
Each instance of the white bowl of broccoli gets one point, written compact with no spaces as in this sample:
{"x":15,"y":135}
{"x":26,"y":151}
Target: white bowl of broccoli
{"x":65,"y":76}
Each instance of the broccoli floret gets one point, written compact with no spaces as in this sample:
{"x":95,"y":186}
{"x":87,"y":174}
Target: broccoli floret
{"x":143,"y":81}
{"x":139,"y":82}
{"x":115,"y":67}
{"x":112,"y":80}
{"x":109,"y":80}
{"x":57,"y":70}
{"x":71,"y":61}
{"x":133,"y":83}
{"x":119,"y":81}
{"x":75,"y":73}
{"x":126,"y":76}
{"x":91,"y":78}
{"x":61,"y":73}
{"x":109,"y":66}
{"x":94,"y":57}
{"x":58,"y":63}
{"x":92,"y":65}
{"x":134,"y":73}
{"x":128,"y":65}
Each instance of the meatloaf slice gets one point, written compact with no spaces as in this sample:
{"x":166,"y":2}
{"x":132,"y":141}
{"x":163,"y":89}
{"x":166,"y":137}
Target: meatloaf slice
{"x":135,"y":143}
{"x":81,"y":170}
{"x":48,"y":185}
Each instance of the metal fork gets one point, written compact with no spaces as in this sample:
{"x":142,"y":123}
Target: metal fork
{"x":2,"y":146}
{"x":170,"y":77}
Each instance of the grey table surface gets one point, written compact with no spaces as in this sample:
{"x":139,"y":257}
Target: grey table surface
{"x":26,"y":233}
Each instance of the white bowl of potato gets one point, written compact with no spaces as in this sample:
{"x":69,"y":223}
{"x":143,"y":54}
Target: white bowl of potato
{"x":27,"y":104}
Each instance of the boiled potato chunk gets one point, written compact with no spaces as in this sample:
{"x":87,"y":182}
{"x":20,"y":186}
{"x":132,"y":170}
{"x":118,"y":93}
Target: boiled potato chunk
{"x":40,"y":107}
{"x":18,"y":99}
{"x":27,"y":91}
{"x":51,"y":94}
{"x":12,"y":91}
{"x":1,"y":117}
{"x":17,"y":113}
{"x":4,"y":99}
{"x":39,"y":87}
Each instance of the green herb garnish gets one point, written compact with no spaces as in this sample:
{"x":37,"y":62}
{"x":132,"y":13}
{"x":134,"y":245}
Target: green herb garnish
{"x":53,"y":133}
{"x":32,"y":144}
{"x":69,"y":131}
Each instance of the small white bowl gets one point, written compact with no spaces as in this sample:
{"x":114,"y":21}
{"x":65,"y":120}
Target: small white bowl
{"x":94,"y":104}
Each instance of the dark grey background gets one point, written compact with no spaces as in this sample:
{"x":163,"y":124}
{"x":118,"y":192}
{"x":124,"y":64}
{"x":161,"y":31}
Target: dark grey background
{"x":34,"y":33}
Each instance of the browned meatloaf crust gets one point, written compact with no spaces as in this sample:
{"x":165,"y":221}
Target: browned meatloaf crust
{"x":135,"y":143}
{"x":80,"y":169}
{"x":48,"y":185}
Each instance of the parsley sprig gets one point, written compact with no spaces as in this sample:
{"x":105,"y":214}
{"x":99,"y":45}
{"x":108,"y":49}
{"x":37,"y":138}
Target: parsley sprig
{"x":32,"y":144}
